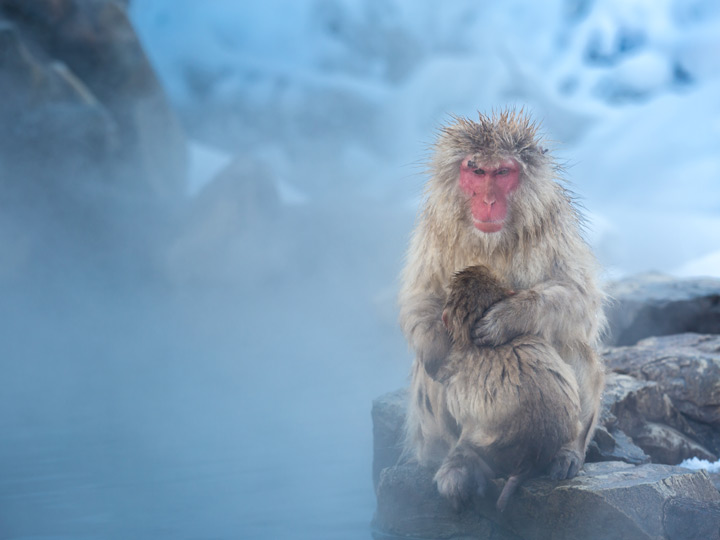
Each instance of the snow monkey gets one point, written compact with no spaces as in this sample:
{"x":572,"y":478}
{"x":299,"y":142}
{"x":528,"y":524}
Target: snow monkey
{"x":515,"y":405}
{"x":494,"y":199}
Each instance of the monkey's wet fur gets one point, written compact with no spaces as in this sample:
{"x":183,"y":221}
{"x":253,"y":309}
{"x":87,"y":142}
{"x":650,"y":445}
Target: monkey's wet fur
{"x":502,"y":390}
{"x":515,"y":404}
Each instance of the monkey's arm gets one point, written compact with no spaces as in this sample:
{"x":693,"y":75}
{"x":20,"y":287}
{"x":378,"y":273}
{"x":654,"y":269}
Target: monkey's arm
{"x":561,"y":312}
{"x":421,"y":320}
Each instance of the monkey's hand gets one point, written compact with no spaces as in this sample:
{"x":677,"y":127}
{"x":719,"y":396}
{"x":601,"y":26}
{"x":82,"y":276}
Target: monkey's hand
{"x":434,"y":351}
{"x":505,"y":320}
{"x":566,"y":464}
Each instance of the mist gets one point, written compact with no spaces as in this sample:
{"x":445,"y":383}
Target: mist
{"x":201,"y":258}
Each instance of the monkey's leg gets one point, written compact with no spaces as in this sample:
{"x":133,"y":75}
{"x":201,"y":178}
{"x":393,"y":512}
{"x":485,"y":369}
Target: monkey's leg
{"x":570,"y":458}
{"x":591,"y":380}
{"x":462,"y":474}
{"x":430,"y":429}
{"x":566,"y":463}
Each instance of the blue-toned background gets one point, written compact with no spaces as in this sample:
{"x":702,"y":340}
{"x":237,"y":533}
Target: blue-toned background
{"x":206,"y":369}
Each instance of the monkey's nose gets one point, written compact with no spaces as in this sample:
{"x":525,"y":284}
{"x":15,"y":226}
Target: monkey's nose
{"x":488,"y":195}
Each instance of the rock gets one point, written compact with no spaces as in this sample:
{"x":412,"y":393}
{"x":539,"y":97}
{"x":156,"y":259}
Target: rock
{"x":715,"y":479}
{"x":409,"y":505}
{"x":640,"y":410}
{"x":691,"y":519}
{"x":76,"y":81}
{"x":55,"y":136}
{"x":685,"y":370}
{"x":388,"y":416}
{"x":667,"y":445}
{"x":657,"y":305}
{"x":610,"y":500}
{"x":614,"y":445}
{"x":47,"y":111}
{"x":235,"y":231}
{"x":92,"y":157}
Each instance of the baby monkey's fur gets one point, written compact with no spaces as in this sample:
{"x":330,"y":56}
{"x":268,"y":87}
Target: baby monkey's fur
{"x":515,"y":405}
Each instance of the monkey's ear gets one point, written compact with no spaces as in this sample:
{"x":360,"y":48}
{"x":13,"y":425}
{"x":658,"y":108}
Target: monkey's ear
{"x":510,"y":292}
{"x":445,"y":318}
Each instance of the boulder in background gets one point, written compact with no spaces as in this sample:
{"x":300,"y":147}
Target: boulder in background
{"x":657,"y":305}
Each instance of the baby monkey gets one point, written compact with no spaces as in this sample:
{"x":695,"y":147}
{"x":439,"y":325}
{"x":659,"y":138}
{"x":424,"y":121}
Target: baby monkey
{"x":515,"y":404}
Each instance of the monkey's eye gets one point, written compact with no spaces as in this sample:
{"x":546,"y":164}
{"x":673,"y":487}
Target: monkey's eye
{"x":481,"y":172}
{"x":503,"y":172}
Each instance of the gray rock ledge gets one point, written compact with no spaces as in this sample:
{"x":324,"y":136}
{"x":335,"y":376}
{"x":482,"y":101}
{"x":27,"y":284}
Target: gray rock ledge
{"x":607,"y":501}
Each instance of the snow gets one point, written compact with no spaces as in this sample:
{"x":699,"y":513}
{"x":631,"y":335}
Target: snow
{"x":707,"y":265}
{"x":698,"y":464}
{"x":626,"y":92}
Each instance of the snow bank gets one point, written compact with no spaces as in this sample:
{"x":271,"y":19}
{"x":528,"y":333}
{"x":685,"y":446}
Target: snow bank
{"x":628,"y":89}
{"x":697,"y":464}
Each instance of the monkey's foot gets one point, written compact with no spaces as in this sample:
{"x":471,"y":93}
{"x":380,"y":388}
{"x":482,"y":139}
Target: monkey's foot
{"x":455,"y":484}
{"x":458,"y":483}
{"x":566,"y":464}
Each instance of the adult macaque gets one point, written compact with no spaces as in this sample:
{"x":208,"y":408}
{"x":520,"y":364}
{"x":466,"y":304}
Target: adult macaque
{"x":493,"y":200}
{"x":515,"y":404}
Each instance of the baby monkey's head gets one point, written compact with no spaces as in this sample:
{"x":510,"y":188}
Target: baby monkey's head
{"x":472,"y":291}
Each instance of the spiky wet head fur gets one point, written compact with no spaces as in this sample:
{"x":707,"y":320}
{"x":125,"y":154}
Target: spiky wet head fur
{"x":493,"y":138}
{"x":508,"y":134}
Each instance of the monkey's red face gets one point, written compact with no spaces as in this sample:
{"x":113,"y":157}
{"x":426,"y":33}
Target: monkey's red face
{"x":488,"y":187}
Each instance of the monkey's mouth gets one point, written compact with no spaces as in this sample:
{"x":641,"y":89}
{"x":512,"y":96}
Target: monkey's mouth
{"x":489,"y":226}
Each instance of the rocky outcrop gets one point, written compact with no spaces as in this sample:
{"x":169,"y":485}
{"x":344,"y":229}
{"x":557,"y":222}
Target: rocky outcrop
{"x":658,"y":305}
{"x":685,"y":370}
{"x":237,"y":215}
{"x":388,"y":416}
{"x":609,"y":500}
{"x":642,"y":419}
{"x":660,"y":407}
{"x":76,"y":82}
{"x":91,"y":153}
